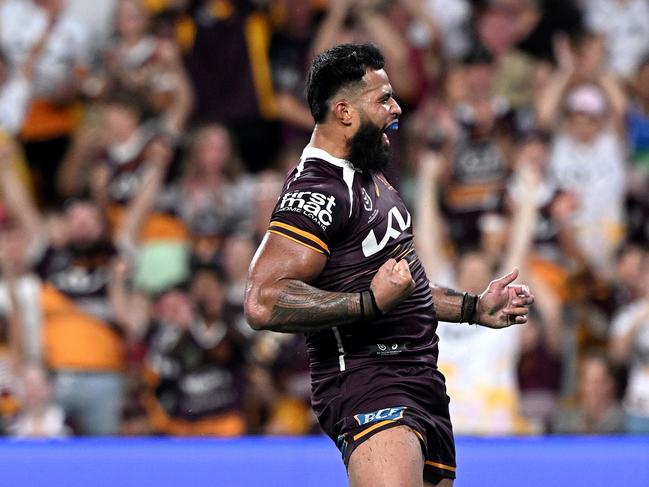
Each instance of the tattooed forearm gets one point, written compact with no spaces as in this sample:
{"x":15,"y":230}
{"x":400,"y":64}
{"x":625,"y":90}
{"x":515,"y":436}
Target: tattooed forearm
{"x":300,"y":308}
{"x":448,"y":303}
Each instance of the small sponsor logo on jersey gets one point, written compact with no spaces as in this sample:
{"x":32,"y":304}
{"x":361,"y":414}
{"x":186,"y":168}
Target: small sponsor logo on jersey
{"x":380,"y":415}
{"x":371,"y":245}
{"x":316,"y":206}
{"x":367,"y":201}
{"x":393,"y":349}
{"x":373,"y":216}
{"x":80,"y":281}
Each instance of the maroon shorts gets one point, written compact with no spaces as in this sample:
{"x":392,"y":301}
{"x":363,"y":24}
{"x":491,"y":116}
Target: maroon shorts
{"x":353,"y":405}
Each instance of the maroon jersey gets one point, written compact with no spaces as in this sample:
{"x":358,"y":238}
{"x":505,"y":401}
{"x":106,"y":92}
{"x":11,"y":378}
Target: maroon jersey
{"x":358,"y":221}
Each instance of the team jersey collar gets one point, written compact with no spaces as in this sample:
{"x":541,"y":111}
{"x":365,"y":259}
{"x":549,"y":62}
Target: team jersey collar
{"x":311,"y":152}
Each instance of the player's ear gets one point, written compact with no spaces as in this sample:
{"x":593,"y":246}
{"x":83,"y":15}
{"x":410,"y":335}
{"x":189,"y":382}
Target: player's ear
{"x":343,"y":112}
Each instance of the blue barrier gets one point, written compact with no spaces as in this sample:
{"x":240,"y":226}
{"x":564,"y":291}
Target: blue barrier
{"x":311,"y":462}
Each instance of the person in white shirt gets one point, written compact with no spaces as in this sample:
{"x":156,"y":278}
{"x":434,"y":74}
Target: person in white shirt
{"x":584,"y":106}
{"x":39,"y":416}
{"x":22,"y":25}
{"x":588,"y":160}
{"x":16,"y":85}
{"x":629,"y":346}
{"x":625,"y":25}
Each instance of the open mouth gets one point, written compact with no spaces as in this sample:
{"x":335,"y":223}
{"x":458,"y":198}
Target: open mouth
{"x":394,"y":125}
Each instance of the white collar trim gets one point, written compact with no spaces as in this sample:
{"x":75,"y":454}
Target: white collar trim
{"x":310,"y":152}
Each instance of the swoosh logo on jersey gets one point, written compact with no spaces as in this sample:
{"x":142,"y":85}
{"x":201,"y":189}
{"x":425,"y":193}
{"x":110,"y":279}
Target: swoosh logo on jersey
{"x":370,"y":244}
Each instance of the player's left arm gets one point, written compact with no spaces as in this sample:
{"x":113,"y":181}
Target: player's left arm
{"x":500,"y":305}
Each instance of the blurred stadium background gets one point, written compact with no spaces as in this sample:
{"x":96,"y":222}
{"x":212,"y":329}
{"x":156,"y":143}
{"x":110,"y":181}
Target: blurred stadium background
{"x":142,"y":146}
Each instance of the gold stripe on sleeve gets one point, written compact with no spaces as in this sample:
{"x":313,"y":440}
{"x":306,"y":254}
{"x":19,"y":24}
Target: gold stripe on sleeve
{"x":304,"y":234}
{"x":440,"y":465}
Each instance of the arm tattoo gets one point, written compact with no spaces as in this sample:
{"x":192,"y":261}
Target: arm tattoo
{"x":451,"y":292}
{"x":448,"y":303}
{"x":302,"y":308}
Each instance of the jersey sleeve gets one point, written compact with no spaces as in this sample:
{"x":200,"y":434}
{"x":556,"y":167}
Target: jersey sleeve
{"x":311,"y":210}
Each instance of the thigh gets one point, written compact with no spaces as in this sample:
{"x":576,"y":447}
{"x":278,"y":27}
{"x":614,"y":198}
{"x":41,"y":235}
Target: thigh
{"x":390,"y":458}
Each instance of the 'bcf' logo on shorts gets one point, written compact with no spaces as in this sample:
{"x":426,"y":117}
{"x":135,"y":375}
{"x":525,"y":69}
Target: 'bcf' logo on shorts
{"x":380,"y":415}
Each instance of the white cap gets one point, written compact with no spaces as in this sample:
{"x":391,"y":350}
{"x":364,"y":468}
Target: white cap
{"x":587,"y":99}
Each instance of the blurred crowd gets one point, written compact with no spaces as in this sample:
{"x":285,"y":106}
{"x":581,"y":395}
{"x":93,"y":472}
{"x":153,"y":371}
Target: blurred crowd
{"x":143,"y":144}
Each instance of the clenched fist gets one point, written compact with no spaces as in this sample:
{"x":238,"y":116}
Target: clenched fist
{"x":392,"y":284}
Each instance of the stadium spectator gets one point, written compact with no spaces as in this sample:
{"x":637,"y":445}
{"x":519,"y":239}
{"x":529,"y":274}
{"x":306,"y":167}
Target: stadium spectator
{"x":280,"y":385}
{"x":194,"y":367}
{"x":26,"y":287}
{"x":628,"y":347}
{"x":97,"y":17}
{"x":587,"y":107}
{"x":597,"y":410}
{"x":214,"y":194}
{"x":16,"y":86}
{"x":625,"y":26}
{"x":452,"y":19}
{"x":244,"y":100}
{"x":26,"y":407}
{"x":145,"y":64}
{"x":538,"y":22}
{"x":542,"y":345}
{"x":482,"y":403}
{"x":514,"y":69}
{"x":109,"y":159}
{"x":477,"y":157}
{"x":64,"y":59}
{"x":290,"y":51}
{"x":80,"y":341}
{"x":539,"y":368}
{"x":39,"y":416}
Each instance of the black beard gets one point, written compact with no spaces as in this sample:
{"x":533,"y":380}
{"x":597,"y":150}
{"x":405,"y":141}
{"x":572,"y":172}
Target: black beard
{"x":366,"y":150}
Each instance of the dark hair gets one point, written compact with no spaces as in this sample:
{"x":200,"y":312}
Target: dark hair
{"x":130,"y":99}
{"x":338,"y":67}
{"x":478,"y":55}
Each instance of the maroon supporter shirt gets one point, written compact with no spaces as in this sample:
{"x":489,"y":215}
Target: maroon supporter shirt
{"x":358,"y":221}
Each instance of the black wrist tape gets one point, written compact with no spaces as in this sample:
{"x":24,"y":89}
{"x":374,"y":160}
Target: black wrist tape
{"x":469,"y":308}
{"x":369,"y":308}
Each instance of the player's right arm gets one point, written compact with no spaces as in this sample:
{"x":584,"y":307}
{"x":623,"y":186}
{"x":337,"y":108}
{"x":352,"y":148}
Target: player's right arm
{"x":279,"y":296}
